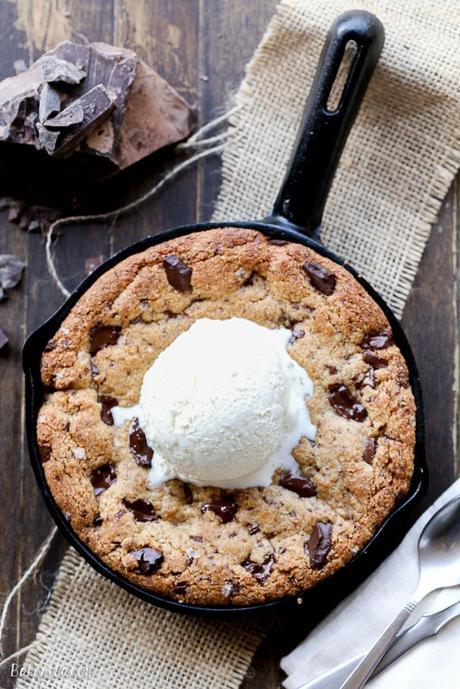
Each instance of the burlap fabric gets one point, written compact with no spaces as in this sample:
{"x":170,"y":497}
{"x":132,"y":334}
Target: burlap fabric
{"x":400,"y":160}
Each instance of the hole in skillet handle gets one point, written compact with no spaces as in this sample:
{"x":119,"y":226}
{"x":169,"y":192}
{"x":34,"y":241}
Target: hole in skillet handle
{"x":323,"y":131}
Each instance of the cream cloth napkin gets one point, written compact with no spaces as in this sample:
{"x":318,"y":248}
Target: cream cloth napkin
{"x":400,"y":160}
{"x":349,"y":629}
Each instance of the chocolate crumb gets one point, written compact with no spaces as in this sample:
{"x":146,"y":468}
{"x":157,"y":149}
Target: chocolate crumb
{"x":374,"y":360}
{"x":260,"y":571}
{"x":224,"y":507}
{"x":103,"y":336}
{"x":45,"y":453}
{"x":277,"y":242}
{"x":103,"y":477}
{"x":107,"y":403}
{"x":377,"y":340}
{"x":370,"y":450}
{"x":298,"y":484}
{"x":142,"y":510}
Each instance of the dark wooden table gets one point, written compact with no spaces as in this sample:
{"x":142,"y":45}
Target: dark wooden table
{"x":201,"y":46}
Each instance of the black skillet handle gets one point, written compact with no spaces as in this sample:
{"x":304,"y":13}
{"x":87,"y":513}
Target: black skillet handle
{"x":323,"y":132}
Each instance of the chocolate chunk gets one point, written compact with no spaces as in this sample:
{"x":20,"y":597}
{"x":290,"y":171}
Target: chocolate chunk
{"x":278,"y":242}
{"x":373,"y":360}
{"x":11,"y":268}
{"x":148,"y":560}
{"x":45,"y":453}
{"x":377,"y":340}
{"x":103,"y":336}
{"x":224,"y":507}
{"x":94,"y":369}
{"x":97,"y":521}
{"x":260,"y":572}
{"x":106,"y":405}
{"x":298,"y":484}
{"x":142,"y":510}
{"x":197,"y":539}
{"x":180,"y":588}
{"x":341,"y":399}
{"x":92,"y":263}
{"x":141,"y":452}
{"x":319,"y":544}
{"x":370,"y":450}
{"x":103,"y":477}
{"x":332,"y":370}
{"x":321,"y":279}
{"x":228,"y":589}
{"x":179,"y":274}
{"x":253,"y":528}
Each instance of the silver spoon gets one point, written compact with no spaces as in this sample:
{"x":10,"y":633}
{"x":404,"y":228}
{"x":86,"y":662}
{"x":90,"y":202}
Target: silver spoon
{"x":439,"y":567}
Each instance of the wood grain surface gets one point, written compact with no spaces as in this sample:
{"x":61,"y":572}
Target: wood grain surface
{"x":201,"y":47}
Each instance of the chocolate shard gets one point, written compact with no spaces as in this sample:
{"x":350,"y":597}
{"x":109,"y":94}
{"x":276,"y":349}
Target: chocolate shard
{"x":80,"y":118}
{"x":107,"y":403}
{"x":49,"y":103}
{"x":260,"y":571}
{"x":370,"y":450}
{"x":56,"y":71}
{"x":377,"y":340}
{"x":103,"y":336}
{"x":103,"y":477}
{"x":319,"y":544}
{"x":142,"y":510}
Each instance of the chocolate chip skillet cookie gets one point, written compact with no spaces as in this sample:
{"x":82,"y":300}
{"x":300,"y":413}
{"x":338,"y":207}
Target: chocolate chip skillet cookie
{"x":220,"y":543}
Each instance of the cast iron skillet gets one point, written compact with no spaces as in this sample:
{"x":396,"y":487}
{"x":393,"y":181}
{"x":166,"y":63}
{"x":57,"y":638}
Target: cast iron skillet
{"x":296,"y":216}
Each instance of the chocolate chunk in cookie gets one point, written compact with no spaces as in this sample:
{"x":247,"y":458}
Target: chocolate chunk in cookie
{"x":345,"y":404}
{"x":103,"y":336}
{"x":377,"y":340}
{"x":298,"y":484}
{"x":107,"y":403}
{"x":103,"y":477}
{"x":141,"y":452}
{"x":149,"y":560}
{"x":142,"y":510}
{"x":260,"y":571}
{"x":319,"y":544}
{"x":178,"y":273}
{"x":224,"y":507}
{"x":374,"y":360}
{"x":320,"y":278}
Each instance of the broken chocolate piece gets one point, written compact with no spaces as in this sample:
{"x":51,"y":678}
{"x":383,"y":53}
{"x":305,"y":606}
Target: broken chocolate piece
{"x":188,"y":493}
{"x":79,"y":119}
{"x":45,"y":453}
{"x":297,"y":334}
{"x":345,"y":404}
{"x":142,"y":510}
{"x":97,"y":521}
{"x":260,"y":571}
{"x":178,"y":273}
{"x":224,"y":507}
{"x":298,"y":484}
{"x":141,"y":452}
{"x":107,"y":403}
{"x":369,"y":379}
{"x":374,"y":360}
{"x":180,"y":588}
{"x":322,"y":279}
{"x":370,"y":450}
{"x":11,"y":268}
{"x":49,"y":103}
{"x":103,"y":477}
{"x":319,"y":544}
{"x":103,"y":336}
{"x":149,"y":560}
{"x":56,"y":71}
{"x":377,"y":340}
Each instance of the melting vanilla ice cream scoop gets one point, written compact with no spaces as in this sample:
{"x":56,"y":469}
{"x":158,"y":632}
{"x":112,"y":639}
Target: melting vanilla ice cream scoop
{"x":224,"y":405}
